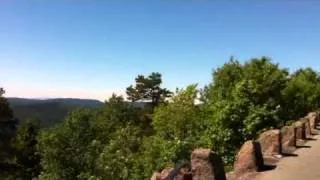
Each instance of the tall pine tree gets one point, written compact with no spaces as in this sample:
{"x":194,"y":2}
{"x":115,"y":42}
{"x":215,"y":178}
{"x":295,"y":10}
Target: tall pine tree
{"x":148,"y":89}
{"x":7,"y":132}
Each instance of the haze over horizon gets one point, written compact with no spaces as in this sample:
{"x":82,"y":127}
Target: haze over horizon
{"x":90,"y":50}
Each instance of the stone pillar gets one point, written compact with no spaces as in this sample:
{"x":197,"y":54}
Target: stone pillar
{"x":300,"y":133}
{"x":181,"y":172}
{"x":308,"y":128}
{"x":165,"y":173}
{"x":312,"y":118}
{"x":288,"y":137}
{"x":156,"y":176}
{"x":303,"y":133}
{"x":288,"y":141}
{"x":295,"y":136}
{"x":249,"y":158}
{"x":270,"y":142}
{"x":206,"y":165}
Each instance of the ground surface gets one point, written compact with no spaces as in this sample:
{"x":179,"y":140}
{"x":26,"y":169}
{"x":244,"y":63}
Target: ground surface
{"x":304,"y":166}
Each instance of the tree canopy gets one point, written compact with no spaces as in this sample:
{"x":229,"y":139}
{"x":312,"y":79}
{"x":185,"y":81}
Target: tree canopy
{"x":148,"y":89}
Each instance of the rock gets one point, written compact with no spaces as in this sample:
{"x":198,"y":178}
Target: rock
{"x":242,"y":176}
{"x":165,"y":172}
{"x":279,"y":156}
{"x":249,"y":158}
{"x":313,"y":119}
{"x":300,"y":130}
{"x":307,"y":127}
{"x":181,"y":172}
{"x":288,"y":137}
{"x":156,"y":176}
{"x":206,"y":165}
{"x":184,"y":174}
{"x":269,"y":141}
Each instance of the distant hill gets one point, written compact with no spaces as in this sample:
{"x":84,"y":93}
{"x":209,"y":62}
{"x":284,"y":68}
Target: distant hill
{"x":67,"y":101}
{"x":49,"y":111}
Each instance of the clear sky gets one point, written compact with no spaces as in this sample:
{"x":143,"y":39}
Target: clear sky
{"x":89,"y":49}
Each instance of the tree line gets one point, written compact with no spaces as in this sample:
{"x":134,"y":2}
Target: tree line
{"x":123,"y":141}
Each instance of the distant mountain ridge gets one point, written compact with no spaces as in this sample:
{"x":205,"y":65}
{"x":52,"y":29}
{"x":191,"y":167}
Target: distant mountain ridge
{"x":48,"y":111}
{"x":68,"y":101}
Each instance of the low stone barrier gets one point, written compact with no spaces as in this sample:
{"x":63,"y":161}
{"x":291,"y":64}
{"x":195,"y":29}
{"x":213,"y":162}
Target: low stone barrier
{"x":249,"y":158}
{"x":178,"y":173}
{"x":270,"y":142}
{"x":205,"y":164}
{"x":300,"y":130}
{"x":308,"y":127}
{"x":313,"y":120}
{"x":287,"y":138}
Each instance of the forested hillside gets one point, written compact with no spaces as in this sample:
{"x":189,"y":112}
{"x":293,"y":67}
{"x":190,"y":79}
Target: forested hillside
{"x":49,"y":111}
{"x":120,"y":141}
{"x":65,"y":101}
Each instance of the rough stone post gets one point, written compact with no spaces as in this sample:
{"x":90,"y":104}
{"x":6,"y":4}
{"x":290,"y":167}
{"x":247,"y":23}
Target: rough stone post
{"x":249,"y":158}
{"x":270,"y":142}
{"x":206,"y":165}
{"x":303,"y":133}
{"x":299,"y":132}
{"x":308,"y":128}
{"x":156,"y":176}
{"x":313,"y":120}
{"x":295,"y":136}
{"x":287,"y":137}
{"x":280,"y":142}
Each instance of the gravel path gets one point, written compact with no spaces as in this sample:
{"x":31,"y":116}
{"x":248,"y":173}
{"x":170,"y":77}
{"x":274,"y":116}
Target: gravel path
{"x":305,"y":166}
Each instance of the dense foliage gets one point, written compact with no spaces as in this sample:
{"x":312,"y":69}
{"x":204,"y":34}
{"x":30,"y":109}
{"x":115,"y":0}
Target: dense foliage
{"x":123,"y":141}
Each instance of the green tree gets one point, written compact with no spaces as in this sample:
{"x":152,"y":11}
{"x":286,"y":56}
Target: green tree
{"x":26,"y":147}
{"x":116,"y":114}
{"x":243,"y":100}
{"x":224,"y":80}
{"x":66,"y":148}
{"x":119,"y":156}
{"x":302,"y":94}
{"x":178,"y":126}
{"x":7,"y":132}
{"x":178,"y":119}
{"x":262,"y":85}
{"x":148,"y":89}
{"x":5,"y":110}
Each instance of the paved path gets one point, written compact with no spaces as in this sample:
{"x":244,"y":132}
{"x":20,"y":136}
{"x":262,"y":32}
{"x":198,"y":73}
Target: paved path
{"x":305,"y":166}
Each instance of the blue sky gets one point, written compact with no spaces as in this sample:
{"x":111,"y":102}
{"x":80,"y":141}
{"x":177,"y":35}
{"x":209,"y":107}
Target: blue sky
{"x":89,"y":49}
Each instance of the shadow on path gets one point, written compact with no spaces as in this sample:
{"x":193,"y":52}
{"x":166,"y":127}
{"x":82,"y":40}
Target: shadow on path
{"x":289,"y":154}
{"x":302,"y":146}
{"x":267,"y":167}
{"x":310,"y":139}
